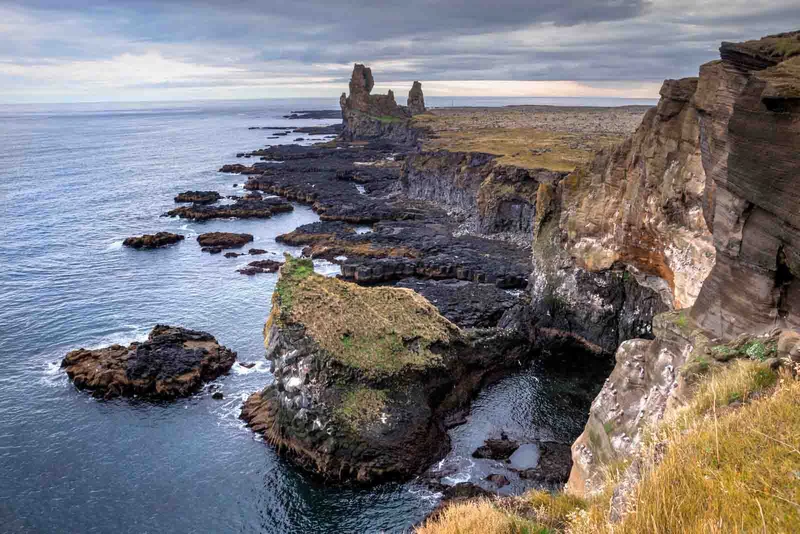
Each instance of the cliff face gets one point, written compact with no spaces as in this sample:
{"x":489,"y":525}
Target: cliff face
{"x":749,"y":105}
{"x":747,"y":109}
{"x":634,"y":213}
{"x":367,"y":116}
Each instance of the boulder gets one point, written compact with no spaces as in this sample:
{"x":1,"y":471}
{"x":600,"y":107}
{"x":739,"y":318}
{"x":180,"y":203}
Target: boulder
{"x":161,"y":239}
{"x":172,"y":362}
{"x":223,"y":240}
{"x":198,"y":197}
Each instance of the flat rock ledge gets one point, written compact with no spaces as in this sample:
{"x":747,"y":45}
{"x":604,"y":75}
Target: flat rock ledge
{"x":158,"y":240}
{"x":366,"y":377}
{"x":214,"y":242}
{"x":173,"y":362}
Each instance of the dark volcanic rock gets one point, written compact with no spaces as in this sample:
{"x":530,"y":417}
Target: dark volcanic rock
{"x":332,"y":129}
{"x":315,"y":114}
{"x":256,"y":251}
{"x":238,"y":168}
{"x":198,"y":197}
{"x":364,"y":377}
{"x":217,"y":395}
{"x":242,"y":208}
{"x":496,"y":449}
{"x":498,"y":480}
{"x":468,"y":304}
{"x":173,"y":362}
{"x":223,"y":240}
{"x":161,"y":239}
{"x":233,"y":254}
{"x":261,"y":266}
{"x":555,"y":463}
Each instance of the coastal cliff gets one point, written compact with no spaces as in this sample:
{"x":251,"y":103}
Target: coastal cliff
{"x":747,"y":115}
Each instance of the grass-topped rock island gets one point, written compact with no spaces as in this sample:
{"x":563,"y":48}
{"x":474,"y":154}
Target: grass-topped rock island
{"x":365,"y":377}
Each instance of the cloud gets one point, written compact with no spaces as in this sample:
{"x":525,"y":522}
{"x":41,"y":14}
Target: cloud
{"x":91,"y":49}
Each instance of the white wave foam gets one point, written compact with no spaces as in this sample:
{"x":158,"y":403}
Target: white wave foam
{"x":260,"y":367}
{"x":116,"y":245}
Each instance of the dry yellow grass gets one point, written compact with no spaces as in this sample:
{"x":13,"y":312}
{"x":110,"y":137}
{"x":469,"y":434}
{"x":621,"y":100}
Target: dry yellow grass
{"x":480,"y":517}
{"x":526,"y":147}
{"x":379,"y":330}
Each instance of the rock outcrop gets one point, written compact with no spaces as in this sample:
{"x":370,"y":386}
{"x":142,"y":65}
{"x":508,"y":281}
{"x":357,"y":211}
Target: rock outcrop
{"x":364,"y":377}
{"x":416,"y":100}
{"x":214,"y":242}
{"x":368,"y":116}
{"x":158,"y":240}
{"x":241,"y":208}
{"x":747,"y":112}
{"x":172,"y":362}
{"x":624,"y":237}
{"x":198,"y":197}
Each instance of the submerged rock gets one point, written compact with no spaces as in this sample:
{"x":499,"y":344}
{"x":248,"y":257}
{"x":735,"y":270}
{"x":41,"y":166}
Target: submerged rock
{"x":223,"y":240}
{"x":496,"y":449}
{"x":161,"y":239}
{"x":173,"y":362}
{"x":261,"y":266}
{"x":364,"y":377}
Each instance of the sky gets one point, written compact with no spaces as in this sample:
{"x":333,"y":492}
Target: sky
{"x":140,"y":50}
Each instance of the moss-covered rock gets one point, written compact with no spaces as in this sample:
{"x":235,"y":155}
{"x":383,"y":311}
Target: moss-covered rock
{"x":364,"y":377}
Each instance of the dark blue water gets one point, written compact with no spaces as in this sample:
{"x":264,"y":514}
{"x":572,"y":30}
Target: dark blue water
{"x":74,"y":182}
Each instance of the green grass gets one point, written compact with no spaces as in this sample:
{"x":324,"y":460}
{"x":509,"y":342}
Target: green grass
{"x":378,"y":330}
{"x":361,"y":407}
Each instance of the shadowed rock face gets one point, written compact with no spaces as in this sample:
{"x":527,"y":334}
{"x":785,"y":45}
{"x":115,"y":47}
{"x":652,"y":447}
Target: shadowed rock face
{"x":173,"y":362}
{"x":749,"y":106}
{"x":368,"y":116}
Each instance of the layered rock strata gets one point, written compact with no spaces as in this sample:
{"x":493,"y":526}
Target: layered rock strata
{"x":172,"y":362}
{"x":747,"y":115}
{"x":364,"y":377}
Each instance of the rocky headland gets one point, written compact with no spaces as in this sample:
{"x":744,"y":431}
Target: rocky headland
{"x":366,"y":377}
{"x":172,"y":362}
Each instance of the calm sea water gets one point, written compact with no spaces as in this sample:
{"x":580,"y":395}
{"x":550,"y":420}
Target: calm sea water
{"x":75,"y":180}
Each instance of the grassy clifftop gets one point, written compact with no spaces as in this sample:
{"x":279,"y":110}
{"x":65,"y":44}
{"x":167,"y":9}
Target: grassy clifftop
{"x":379,"y":330}
{"x":728,"y":462}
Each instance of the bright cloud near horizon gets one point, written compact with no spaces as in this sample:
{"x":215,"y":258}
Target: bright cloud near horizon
{"x":134,"y":50}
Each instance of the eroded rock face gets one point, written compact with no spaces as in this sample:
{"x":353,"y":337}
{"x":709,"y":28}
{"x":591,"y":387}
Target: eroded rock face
{"x":158,"y":240}
{"x":624,"y":237}
{"x":368,"y":116}
{"x":364,"y":377}
{"x":173,"y":362}
{"x":750,"y":118}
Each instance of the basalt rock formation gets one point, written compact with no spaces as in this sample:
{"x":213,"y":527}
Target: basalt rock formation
{"x":242,"y":208}
{"x":368,"y":116}
{"x":198,"y":197}
{"x":158,"y":240}
{"x":220,"y":240}
{"x":746,"y":110}
{"x":416,"y":100}
{"x":172,"y":362}
{"x":364,"y":377}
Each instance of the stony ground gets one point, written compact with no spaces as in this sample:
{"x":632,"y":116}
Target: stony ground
{"x":552,"y":137}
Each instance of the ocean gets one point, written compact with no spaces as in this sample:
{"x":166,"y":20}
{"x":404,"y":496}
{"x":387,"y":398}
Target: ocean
{"x":75,"y":180}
